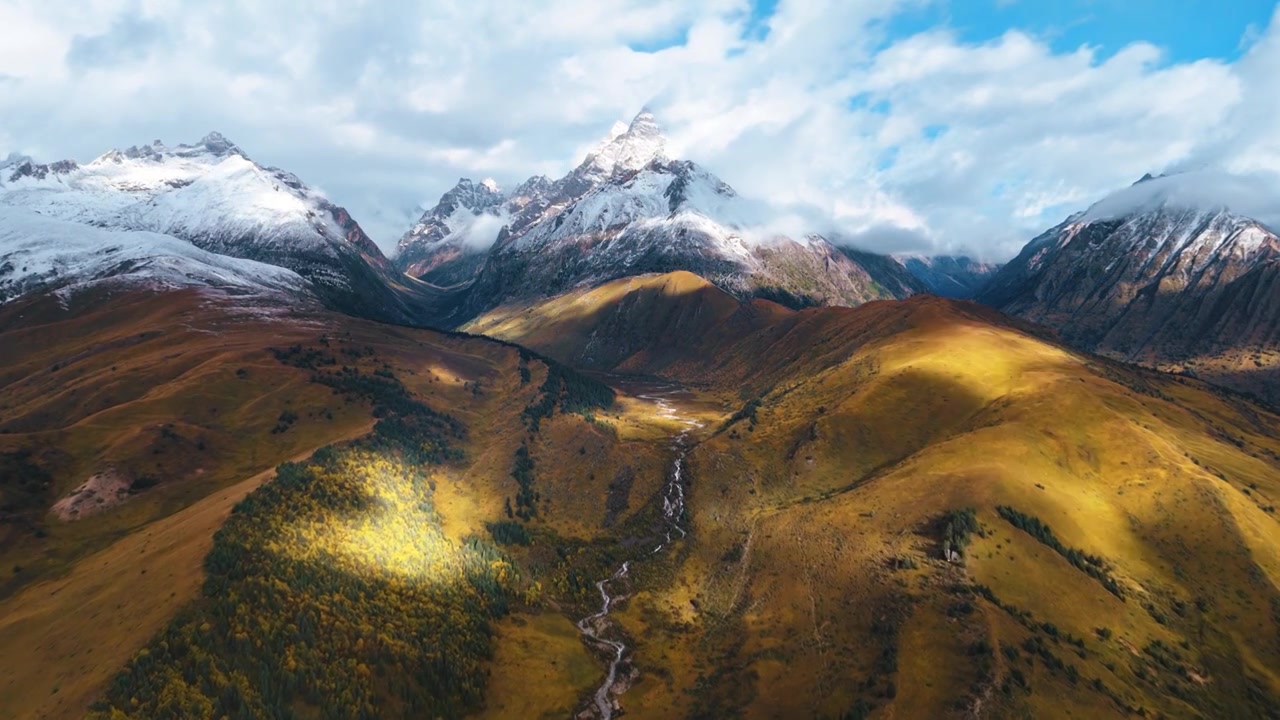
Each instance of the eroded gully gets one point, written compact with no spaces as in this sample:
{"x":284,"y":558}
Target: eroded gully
{"x":597,"y":628}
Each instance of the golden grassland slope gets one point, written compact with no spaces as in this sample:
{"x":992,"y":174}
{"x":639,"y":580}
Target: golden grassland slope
{"x":636,"y":324}
{"x":815,"y":582}
{"x":907,"y":509}
{"x":62,"y":639}
{"x":212,"y":404}
{"x":173,"y":393}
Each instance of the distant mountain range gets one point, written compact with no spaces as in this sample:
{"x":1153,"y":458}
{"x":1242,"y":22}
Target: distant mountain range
{"x":1180,"y":272}
{"x":950,"y":276}
{"x":626,"y":209}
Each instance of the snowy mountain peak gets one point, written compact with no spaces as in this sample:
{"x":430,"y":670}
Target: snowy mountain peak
{"x":214,"y":204}
{"x":1167,"y":268}
{"x":629,"y":209}
{"x":466,"y":218}
{"x":536,"y":185}
{"x":644,"y":123}
{"x":639,"y":145}
{"x":14,"y":166}
{"x":209,"y":150}
{"x":468,"y":195}
{"x":215,"y":143}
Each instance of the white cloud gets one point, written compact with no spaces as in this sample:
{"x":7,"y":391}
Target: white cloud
{"x":949,"y":145}
{"x":1251,"y":194}
{"x":480,"y":231}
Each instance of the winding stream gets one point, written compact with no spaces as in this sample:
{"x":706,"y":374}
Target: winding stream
{"x":594,"y":626}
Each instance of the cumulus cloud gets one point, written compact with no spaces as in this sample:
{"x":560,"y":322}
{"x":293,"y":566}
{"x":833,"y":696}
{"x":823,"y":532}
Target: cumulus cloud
{"x":924,"y":142}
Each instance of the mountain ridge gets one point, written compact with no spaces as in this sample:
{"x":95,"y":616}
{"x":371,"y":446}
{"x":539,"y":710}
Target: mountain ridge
{"x":212,"y":195}
{"x":627,"y":208}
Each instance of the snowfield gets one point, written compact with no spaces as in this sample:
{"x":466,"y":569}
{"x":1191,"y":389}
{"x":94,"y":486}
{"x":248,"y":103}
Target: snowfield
{"x":195,"y":191}
{"x":43,"y":253}
{"x":191,"y":215}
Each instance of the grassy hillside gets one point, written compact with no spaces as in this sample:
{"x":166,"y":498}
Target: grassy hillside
{"x":634,"y":324}
{"x":1121,"y":558}
{"x":170,"y":397}
{"x":61,"y":639}
{"x":218,"y":398}
{"x":907,"y":509}
{"x":1116,"y":529}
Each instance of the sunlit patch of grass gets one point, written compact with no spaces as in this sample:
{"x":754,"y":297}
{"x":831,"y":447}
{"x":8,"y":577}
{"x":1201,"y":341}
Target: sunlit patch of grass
{"x":387,"y":524}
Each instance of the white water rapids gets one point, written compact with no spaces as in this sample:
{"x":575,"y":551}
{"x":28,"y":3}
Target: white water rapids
{"x":594,"y":626}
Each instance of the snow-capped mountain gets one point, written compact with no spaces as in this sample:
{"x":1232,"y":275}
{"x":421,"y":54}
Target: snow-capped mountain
{"x":628,"y":209}
{"x":1169,"y":269}
{"x":43,"y":253}
{"x":953,"y":276}
{"x":214,"y":197}
{"x":448,"y":244}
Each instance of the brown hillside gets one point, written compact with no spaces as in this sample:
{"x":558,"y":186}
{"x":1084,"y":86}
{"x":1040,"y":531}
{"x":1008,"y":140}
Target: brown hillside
{"x":907,"y":509}
{"x":183,"y":398}
{"x":816,"y":584}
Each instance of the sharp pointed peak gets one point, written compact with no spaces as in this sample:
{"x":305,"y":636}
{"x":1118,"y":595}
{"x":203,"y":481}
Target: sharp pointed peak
{"x":644,"y":119}
{"x":1208,"y":191}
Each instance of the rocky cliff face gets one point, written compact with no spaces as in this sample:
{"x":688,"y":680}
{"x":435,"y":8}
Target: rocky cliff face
{"x":441,"y":248}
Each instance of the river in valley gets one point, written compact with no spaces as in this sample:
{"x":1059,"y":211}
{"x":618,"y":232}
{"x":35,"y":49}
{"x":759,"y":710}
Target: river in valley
{"x":598,"y":626}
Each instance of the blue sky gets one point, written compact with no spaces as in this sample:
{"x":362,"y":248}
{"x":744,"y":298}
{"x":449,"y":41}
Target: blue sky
{"x":1185,"y":29}
{"x":906,"y":125}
